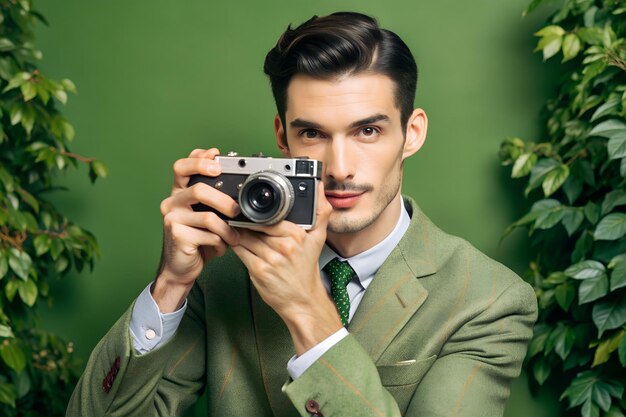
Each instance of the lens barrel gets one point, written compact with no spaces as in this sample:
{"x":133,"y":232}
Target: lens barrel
{"x":266,"y":197}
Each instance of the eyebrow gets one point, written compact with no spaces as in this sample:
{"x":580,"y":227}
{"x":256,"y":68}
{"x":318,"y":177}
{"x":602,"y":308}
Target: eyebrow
{"x":300,"y":123}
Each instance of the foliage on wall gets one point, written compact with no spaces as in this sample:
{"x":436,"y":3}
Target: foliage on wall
{"x":575,"y":179}
{"x":37,"y":242}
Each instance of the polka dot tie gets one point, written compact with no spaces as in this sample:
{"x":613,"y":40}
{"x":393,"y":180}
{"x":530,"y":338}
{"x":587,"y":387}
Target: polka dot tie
{"x":340,"y":273}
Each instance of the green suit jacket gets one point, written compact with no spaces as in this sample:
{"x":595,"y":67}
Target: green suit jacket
{"x":441,"y":331}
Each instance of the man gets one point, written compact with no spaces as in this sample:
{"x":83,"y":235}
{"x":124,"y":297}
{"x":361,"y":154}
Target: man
{"x":272,"y":320}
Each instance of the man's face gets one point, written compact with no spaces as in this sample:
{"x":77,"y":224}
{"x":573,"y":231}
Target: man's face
{"x":353,"y":126}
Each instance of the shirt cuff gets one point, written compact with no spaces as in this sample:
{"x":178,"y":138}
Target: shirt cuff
{"x":149,"y":327}
{"x":298,"y":364}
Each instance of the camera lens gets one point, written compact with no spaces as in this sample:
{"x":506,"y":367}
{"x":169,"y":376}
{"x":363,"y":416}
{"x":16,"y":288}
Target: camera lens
{"x":261,"y":197}
{"x":266,"y":197}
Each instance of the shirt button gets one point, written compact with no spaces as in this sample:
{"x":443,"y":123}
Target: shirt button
{"x":150,"y":334}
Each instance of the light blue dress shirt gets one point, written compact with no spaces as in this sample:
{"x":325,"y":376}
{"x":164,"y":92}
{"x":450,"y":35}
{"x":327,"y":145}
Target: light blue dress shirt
{"x":151,"y":328}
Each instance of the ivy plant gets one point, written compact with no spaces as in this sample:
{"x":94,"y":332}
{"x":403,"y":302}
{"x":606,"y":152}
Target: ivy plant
{"x":575,"y":181}
{"x":37,"y":242}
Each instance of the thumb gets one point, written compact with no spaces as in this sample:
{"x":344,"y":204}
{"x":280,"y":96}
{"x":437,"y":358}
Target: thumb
{"x":322,"y":213}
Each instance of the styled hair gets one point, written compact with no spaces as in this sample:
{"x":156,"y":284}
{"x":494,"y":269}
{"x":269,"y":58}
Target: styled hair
{"x":343,"y":43}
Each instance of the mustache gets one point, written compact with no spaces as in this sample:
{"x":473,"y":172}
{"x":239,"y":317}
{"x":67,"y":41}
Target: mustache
{"x":332,"y":185}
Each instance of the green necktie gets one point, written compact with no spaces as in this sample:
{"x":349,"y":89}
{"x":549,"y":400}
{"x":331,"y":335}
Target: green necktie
{"x":340,"y":273}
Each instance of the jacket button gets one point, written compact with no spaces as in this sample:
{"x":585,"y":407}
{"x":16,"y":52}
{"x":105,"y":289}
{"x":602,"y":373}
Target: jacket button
{"x":317,"y":415}
{"x":312,"y":407}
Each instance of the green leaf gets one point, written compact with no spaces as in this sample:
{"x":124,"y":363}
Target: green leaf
{"x":539,"y":171}
{"x":621,"y":352}
{"x":541,"y":370}
{"x":99,"y":169}
{"x":583,"y":244}
{"x":4,"y":264}
{"x":20,"y":262}
{"x":538,"y":342}
{"x":616,"y":145}
{"x":23,"y":384}
{"x":565,"y":343}
{"x":61,"y":264}
{"x":523,"y":165}
{"x":533,"y":5}
{"x":13,"y":356}
{"x":6,"y":45}
{"x":609,"y":107}
{"x":608,"y":128}
{"x":572,"y":220}
{"x":613,"y":199}
{"x":549,"y":218}
{"x":7,"y":394}
{"x":611,"y":227}
{"x":618,"y":276}
{"x":28,"y":199}
{"x":622,"y":167}
{"x":565,"y":294}
{"x":550,"y":45}
{"x":606,"y":347}
{"x":28,"y":91}
{"x":17,"y":80}
{"x":592,"y":212}
{"x":593,"y":288}
{"x":614,"y":411}
{"x":42,"y":244}
{"x":554,"y":179}
{"x":6,"y":331}
{"x":28,"y":292}
{"x":10,"y":289}
{"x":16,"y":114}
{"x":60,"y":95}
{"x":609,"y":314}
{"x":69,"y":85}
{"x":552,"y":30}
{"x":586,"y":270}
{"x":571,"y":46}
{"x":589,"y":386}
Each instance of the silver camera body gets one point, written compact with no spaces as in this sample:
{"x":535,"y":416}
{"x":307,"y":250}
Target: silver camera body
{"x":267,"y":189}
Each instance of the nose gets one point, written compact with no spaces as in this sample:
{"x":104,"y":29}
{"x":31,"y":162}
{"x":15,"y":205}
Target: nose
{"x":339,"y":161}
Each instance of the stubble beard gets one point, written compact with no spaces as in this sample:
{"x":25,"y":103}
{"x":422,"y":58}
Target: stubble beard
{"x":342,"y":222}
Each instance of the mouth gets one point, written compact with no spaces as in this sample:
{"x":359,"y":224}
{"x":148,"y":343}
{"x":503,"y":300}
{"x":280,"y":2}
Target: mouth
{"x":342,"y":200}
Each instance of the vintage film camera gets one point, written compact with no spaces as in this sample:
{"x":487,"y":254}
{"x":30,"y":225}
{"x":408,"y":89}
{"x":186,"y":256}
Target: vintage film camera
{"x":267,"y":189}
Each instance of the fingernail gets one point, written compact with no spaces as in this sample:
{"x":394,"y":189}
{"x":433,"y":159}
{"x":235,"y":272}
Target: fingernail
{"x":236,"y":210}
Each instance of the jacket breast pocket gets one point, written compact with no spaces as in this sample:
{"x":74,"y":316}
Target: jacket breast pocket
{"x":401,"y":378}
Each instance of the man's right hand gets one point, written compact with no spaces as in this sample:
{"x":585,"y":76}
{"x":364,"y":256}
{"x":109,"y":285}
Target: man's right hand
{"x":191,"y":239}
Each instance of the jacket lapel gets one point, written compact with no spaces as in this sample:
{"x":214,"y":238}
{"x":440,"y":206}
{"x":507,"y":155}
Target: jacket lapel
{"x":395,"y":293}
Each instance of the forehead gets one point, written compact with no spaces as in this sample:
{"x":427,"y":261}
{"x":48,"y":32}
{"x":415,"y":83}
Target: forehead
{"x":350,"y":97}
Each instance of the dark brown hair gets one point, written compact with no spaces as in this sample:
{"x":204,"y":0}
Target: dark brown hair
{"x":339,"y":44}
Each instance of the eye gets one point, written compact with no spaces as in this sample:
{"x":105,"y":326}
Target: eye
{"x":369,"y":132}
{"x":309,"y":134}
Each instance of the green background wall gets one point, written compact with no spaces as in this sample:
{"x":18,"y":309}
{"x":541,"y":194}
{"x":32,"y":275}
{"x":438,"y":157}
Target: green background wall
{"x":158,"y":78}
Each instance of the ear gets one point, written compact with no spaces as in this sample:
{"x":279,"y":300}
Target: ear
{"x":416,"y":129}
{"x":281,"y":137}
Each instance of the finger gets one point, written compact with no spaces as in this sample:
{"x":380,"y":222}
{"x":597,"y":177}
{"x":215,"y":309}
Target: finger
{"x":280,"y":229}
{"x":201,"y":193}
{"x":186,"y":167}
{"x":247,"y":257}
{"x":322,"y":214}
{"x":254,"y":243}
{"x":204,"y":220}
{"x":188,"y":239}
{"x":204,"y":153}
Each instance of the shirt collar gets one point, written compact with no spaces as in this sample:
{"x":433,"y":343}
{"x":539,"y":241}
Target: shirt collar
{"x":367,"y":263}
